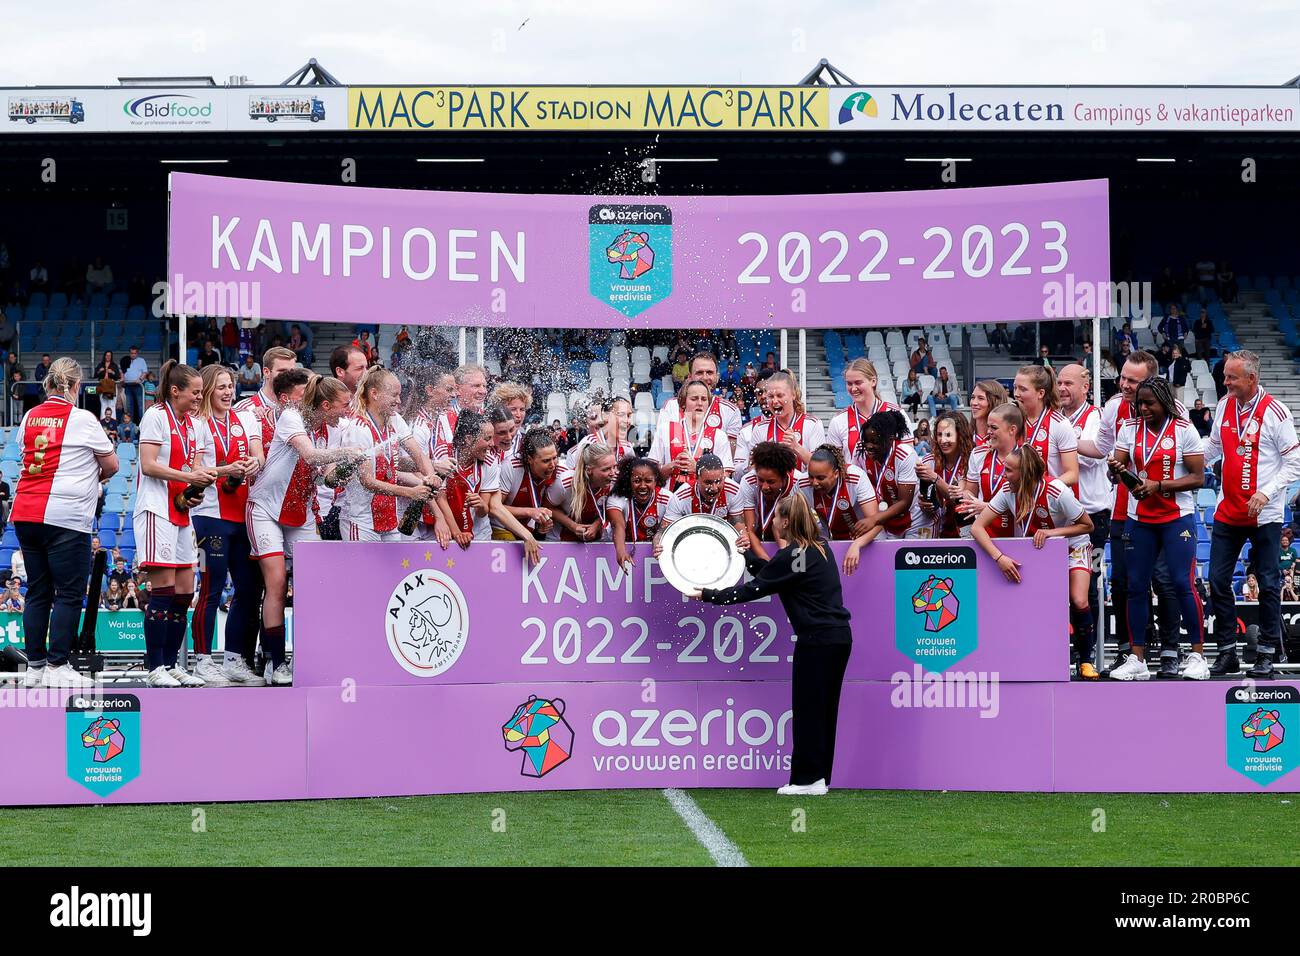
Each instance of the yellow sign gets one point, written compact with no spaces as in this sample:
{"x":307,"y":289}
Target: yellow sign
{"x":597,"y":108}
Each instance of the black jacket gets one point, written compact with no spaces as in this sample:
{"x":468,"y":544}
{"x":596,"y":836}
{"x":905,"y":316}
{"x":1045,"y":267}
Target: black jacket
{"x":808,"y":585}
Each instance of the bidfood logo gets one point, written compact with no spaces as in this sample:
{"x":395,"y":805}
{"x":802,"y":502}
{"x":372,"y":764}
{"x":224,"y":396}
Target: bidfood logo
{"x":168,"y":107}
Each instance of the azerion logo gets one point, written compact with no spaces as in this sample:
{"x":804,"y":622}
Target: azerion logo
{"x":630,"y":255}
{"x":167,"y":106}
{"x":539,"y":729}
{"x":1258,"y":745}
{"x":861,"y":103}
{"x":427,"y":623}
{"x":935,"y":604}
{"x":103,"y":740}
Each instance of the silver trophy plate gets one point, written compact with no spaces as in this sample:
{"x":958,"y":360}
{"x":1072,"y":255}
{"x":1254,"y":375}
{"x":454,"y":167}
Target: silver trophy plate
{"x":699,"y":551}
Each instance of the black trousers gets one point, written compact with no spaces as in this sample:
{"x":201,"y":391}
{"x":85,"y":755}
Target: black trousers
{"x":818,"y":675}
{"x":58,"y":569}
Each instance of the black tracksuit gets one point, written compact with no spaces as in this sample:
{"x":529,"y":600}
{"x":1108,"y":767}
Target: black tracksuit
{"x":808,"y":584}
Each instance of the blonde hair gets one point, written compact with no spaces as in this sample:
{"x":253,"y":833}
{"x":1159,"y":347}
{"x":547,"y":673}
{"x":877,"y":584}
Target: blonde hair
{"x":321,"y":390}
{"x":867,"y":368}
{"x":592,"y":453}
{"x":210,"y":376}
{"x":64,"y":376}
{"x":373,"y":379}
{"x":278,"y":353}
{"x":994,"y":392}
{"x":1032,"y":470}
{"x":788,"y":378}
{"x":1013,"y":416}
{"x":511,"y":392}
{"x":801,"y":528}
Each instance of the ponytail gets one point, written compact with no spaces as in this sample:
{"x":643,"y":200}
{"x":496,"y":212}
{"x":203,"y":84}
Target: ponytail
{"x":373,"y":378}
{"x":592,"y":452}
{"x":63,"y":377}
{"x":320,"y":390}
{"x":173,"y":375}
{"x":802,"y":528}
{"x":1032,"y":470}
{"x":832,"y":455}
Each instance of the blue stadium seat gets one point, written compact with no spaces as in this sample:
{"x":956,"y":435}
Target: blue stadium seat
{"x":128,"y":522}
{"x":127,"y":541}
{"x":9,"y":471}
{"x":13,"y":452}
{"x":126,"y":451}
{"x":118,"y":485}
{"x":1205,"y":497}
{"x":59,"y":299}
{"x":108,"y":537}
{"x":10,"y":538}
{"x":1202,"y":551}
{"x":114,"y":503}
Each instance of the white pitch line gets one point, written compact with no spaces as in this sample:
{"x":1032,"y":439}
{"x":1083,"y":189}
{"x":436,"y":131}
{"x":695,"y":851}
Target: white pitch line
{"x":723,"y":851}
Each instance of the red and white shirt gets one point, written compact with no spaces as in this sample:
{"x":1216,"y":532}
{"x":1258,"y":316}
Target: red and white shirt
{"x":59,"y":481}
{"x":943,"y":521}
{"x":674,"y":437}
{"x":361,"y":507}
{"x":1257,"y":444}
{"x":686,"y":501}
{"x":595,"y":506}
{"x":1094,"y":488}
{"x":1051,"y":435}
{"x":224,"y":441}
{"x":763,"y":511}
{"x":621,"y":451}
{"x":177,"y":439}
{"x":519,"y":490}
{"x":1054,"y":507}
{"x":641,"y":522}
{"x":1157,"y":454}
{"x":852,"y":499}
{"x":286,"y":486}
{"x":481,"y":478}
{"x":721,"y":414}
{"x":986,"y":469}
{"x":1117,"y":413}
{"x":898,"y":469}
{"x":807,"y":428}
{"x":264,"y":409}
{"x":846,"y":427}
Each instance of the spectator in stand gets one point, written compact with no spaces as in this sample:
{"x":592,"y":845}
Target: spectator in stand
{"x":249,"y":378}
{"x":1173,"y":326}
{"x":150,"y":389}
{"x":119,"y":572}
{"x":769,"y":367}
{"x":1022,"y":342}
{"x":1220,"y":388}
{"x":99,"y":277}
{"x":1044,"y":359}
{"x":921,"y":361}
{"x":131,"y":599}
{"x":18,"y":566}
{"x":999,"y":339}
{"x":912,"y":392}
{"x":5,"y":497}
{"x":110,"y":598}
{"x":1087,"y":359}
{"x":107,"y":375}
{"x":230,"y":341}
{"x":38,"y":280}
{"x":134,"y":370}
{"x":681,"y":369}
{"x":1202,"y":330}
{"x":1180,"y":367}
{"x":1125,"y":336}
{"x":1164,"y":358}
{"x":1290,"y":593}
{"x":12,"y":600}
{"x":362,"y":342}
{"x":1286,"y":557}
{"x":943,"y":393}
{"x":921,"y":435}
{"x":302,"y":349}
{"x":127,"y":430}
{"x":208,"y":354}
{"x":1250,"y":588}
{"x":25,"y":394}
{"x":43,"y":369}
{"x":1227,"y":283}
{"x":1200,"y":417}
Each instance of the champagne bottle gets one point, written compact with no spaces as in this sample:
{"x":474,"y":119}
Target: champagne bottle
{"x":411,"y":517}
{"x":1131,"y":481}
{"x":926,"y":491}
{"x":342,"y":473}
{"x":188,"y":498}
{"x":231,"y":482}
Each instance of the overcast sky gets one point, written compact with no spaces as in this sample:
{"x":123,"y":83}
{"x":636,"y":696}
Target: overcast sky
{"x":658,"y":41}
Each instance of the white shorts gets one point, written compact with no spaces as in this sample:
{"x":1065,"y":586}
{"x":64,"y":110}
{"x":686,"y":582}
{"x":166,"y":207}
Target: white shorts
{"x":1081,"y":557}
{"x":161,"y":544}
{"x":269,"y":538}
{"x":353,"y":532}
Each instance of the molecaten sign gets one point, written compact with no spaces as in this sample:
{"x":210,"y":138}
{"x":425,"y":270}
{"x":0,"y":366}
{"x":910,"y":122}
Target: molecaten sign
{"x":1097,"y":109}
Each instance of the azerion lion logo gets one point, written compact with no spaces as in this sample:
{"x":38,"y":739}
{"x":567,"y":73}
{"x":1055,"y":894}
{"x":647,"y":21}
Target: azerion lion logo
{"x":936,"y":600}
{"x":631,"y":252}
{"x":539,"y":729}
{"x":427,"y":623}
{"x":1265,"y":727}
{"x":105,"y":737}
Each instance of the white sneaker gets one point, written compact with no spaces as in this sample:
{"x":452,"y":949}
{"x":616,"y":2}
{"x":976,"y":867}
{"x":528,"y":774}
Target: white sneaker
{"x":184,"y":678}
{"x":281,"y":676}
{"x":65,"y":675}
{"x":161,"y":677}
{"x":1196,"y":667}
{"x":236,"y":671}
{"x":34,"y":676}
{"x":1131,"y":669}
{"x":818,"y":789}
{"x":207,"y":670}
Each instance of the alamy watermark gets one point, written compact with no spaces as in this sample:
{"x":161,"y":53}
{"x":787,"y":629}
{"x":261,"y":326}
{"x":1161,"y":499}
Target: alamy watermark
{"x":1082,"y":299}
{"x":977,"y":690}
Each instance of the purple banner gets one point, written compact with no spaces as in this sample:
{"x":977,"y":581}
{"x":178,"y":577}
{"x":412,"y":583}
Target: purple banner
{"x":346,"y":254}
{"x":414,"y":614}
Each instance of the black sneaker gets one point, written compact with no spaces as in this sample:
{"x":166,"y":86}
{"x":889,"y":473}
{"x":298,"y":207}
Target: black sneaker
{"x":1168,"y":668}
{"x":1225,"y":663}
{"x":1263,"y":669}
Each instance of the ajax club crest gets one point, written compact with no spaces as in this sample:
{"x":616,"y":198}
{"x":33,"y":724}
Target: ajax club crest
{"x":426,"y":623}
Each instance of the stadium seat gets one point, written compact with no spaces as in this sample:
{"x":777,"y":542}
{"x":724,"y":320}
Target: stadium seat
{"x":13,"y":451}
{"x":10,"y":538}
{"x":1206,"y":497}
{"x":108,"y":537}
